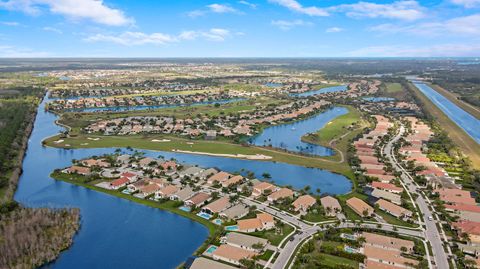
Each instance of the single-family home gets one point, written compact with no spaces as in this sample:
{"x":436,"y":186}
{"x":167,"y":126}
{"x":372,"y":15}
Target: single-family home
{"x":217,"y":206}
{"x":262,"y":188}
{"x":231,"y":254}
{"x":198,"y":199}
{"x":280,"y":194}
{"x":245,"y":241}
{"x":303,"y":203}
{"x":74,"y":169}
{"x":119,"y":183}
{"x":330,"y":205}
{"x":360,"y":207}
{"x":393,"y":209}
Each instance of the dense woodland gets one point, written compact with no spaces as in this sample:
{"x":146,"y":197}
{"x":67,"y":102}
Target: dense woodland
{"x":29,"y":237}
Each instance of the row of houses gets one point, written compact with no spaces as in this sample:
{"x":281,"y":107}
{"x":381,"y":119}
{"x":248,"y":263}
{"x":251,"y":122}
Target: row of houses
{"x":387,"y":252}
{"x":210,"y":127}
{"x":144,"y":100}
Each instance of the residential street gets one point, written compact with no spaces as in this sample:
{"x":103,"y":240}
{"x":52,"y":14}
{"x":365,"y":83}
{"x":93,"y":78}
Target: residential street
{"x":431,"y":232}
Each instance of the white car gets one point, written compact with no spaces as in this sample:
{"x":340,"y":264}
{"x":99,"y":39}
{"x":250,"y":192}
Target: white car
{"x":430,"y":218}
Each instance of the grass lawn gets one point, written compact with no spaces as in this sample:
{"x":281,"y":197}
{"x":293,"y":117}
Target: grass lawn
{"x":266,"y":255}
{"x":272,"y":236}
{"x":394,"y":87}
{"x":466,"y":143}
{"x":349,"y":213}
{"x":335,"y":261}
{"x":171,"y":206}
{"x":393,"y":220}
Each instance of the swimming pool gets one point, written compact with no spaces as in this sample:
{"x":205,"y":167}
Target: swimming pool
{"x":211,"y":249}
{"x":185,"y":208}
{"x":232,"y":228}
{"x":204,"y":215}
{"x":217,"y":221}
{"x":350,"y":249}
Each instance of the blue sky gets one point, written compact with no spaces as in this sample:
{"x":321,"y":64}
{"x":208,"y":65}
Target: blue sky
{"x":250,"y":28}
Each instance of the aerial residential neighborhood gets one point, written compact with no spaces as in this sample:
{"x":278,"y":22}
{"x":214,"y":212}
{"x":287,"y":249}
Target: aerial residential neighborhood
{"x":248,"y":134}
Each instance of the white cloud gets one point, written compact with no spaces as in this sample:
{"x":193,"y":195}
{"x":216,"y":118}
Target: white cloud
{"x":468,"y":25}
{"x":251,"y":5}
{"x":297,"y":7}
{"x":52,"y":29}
{"x":287,"y":25}
{"x":219,"y":8}
{"x":133,"y":38}
{"x":94,"y":10}
{"x":334,"y":30}
{"x":10,"y":23}
{"x":441,"y":50}
{"x":140,"y":38}
{"x":404,"y":10}
{"x":195,"y":13}
{"x":14,"y":52}
{"x":467,"y":3}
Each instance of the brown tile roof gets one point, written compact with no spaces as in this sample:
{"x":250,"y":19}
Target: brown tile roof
{"x":233,"y":253}
{"x":304,"y":202}
{"x":359,"y":206}
{"x":387,"y":241}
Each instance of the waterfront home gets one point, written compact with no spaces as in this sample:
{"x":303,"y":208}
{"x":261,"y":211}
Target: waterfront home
{"x":190,"y":172}
{"x":119,"y":183}
{"x":244,"y":241}
{"x":198,"y":199}
{"x":147,"y":190}
{"x":203,"y":263}
{"x":263,"y":221}
{"x":231,"y":254}
{"x":183,"y":194}
{"x":95,"y":162}
{"x":166,"y":192}
{"x":124,"y":159}
{"x":360,"y":207}
{"x":393,"y":209}
{"x":207,"y":173}
{"x":232,"y":181}
{"x":381,"y":194}
{"x":248,"y":186}
{"x":235,"y":212}
{"x":211,"y":135}
{"x":169,"y":167}
{"x":471,"y":228}
{"x":387,"y":187}
{"x":74,"y":169}
{"x":262,"y":188}
{"x":303,"y":203}
{"x":136,"y":186}
{"x":217,"y":206}
{"x":387,"y":242}
{"x":219,"y":177}
{"x":132,"y":177}
{"x":280,"y":194}
{"x":147,"y":163}
{"x":330,"y":205}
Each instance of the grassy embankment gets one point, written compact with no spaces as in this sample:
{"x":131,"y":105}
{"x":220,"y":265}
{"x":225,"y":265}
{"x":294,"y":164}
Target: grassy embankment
{"x":474,"y":111}
{"x":338,"y":133}
{"x":466,"y":144}
{"x":171,"y":206}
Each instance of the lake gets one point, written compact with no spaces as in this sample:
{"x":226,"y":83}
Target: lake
{"x":288,"y":136}
{"x":116,"y":233}
{"x":466,"y":121}
{"x":340,"y":88}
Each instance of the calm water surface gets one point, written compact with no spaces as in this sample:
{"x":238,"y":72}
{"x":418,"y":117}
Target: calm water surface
{"x":116,"y":233}
{"x":288,"y":136}
{"x":340,"y":88}
{"x":465,"y":120}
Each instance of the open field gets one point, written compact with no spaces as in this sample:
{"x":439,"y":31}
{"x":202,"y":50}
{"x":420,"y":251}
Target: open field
{"x":394,"y":87}
{"x":466,"y":144}
{"x":453,"y":98}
